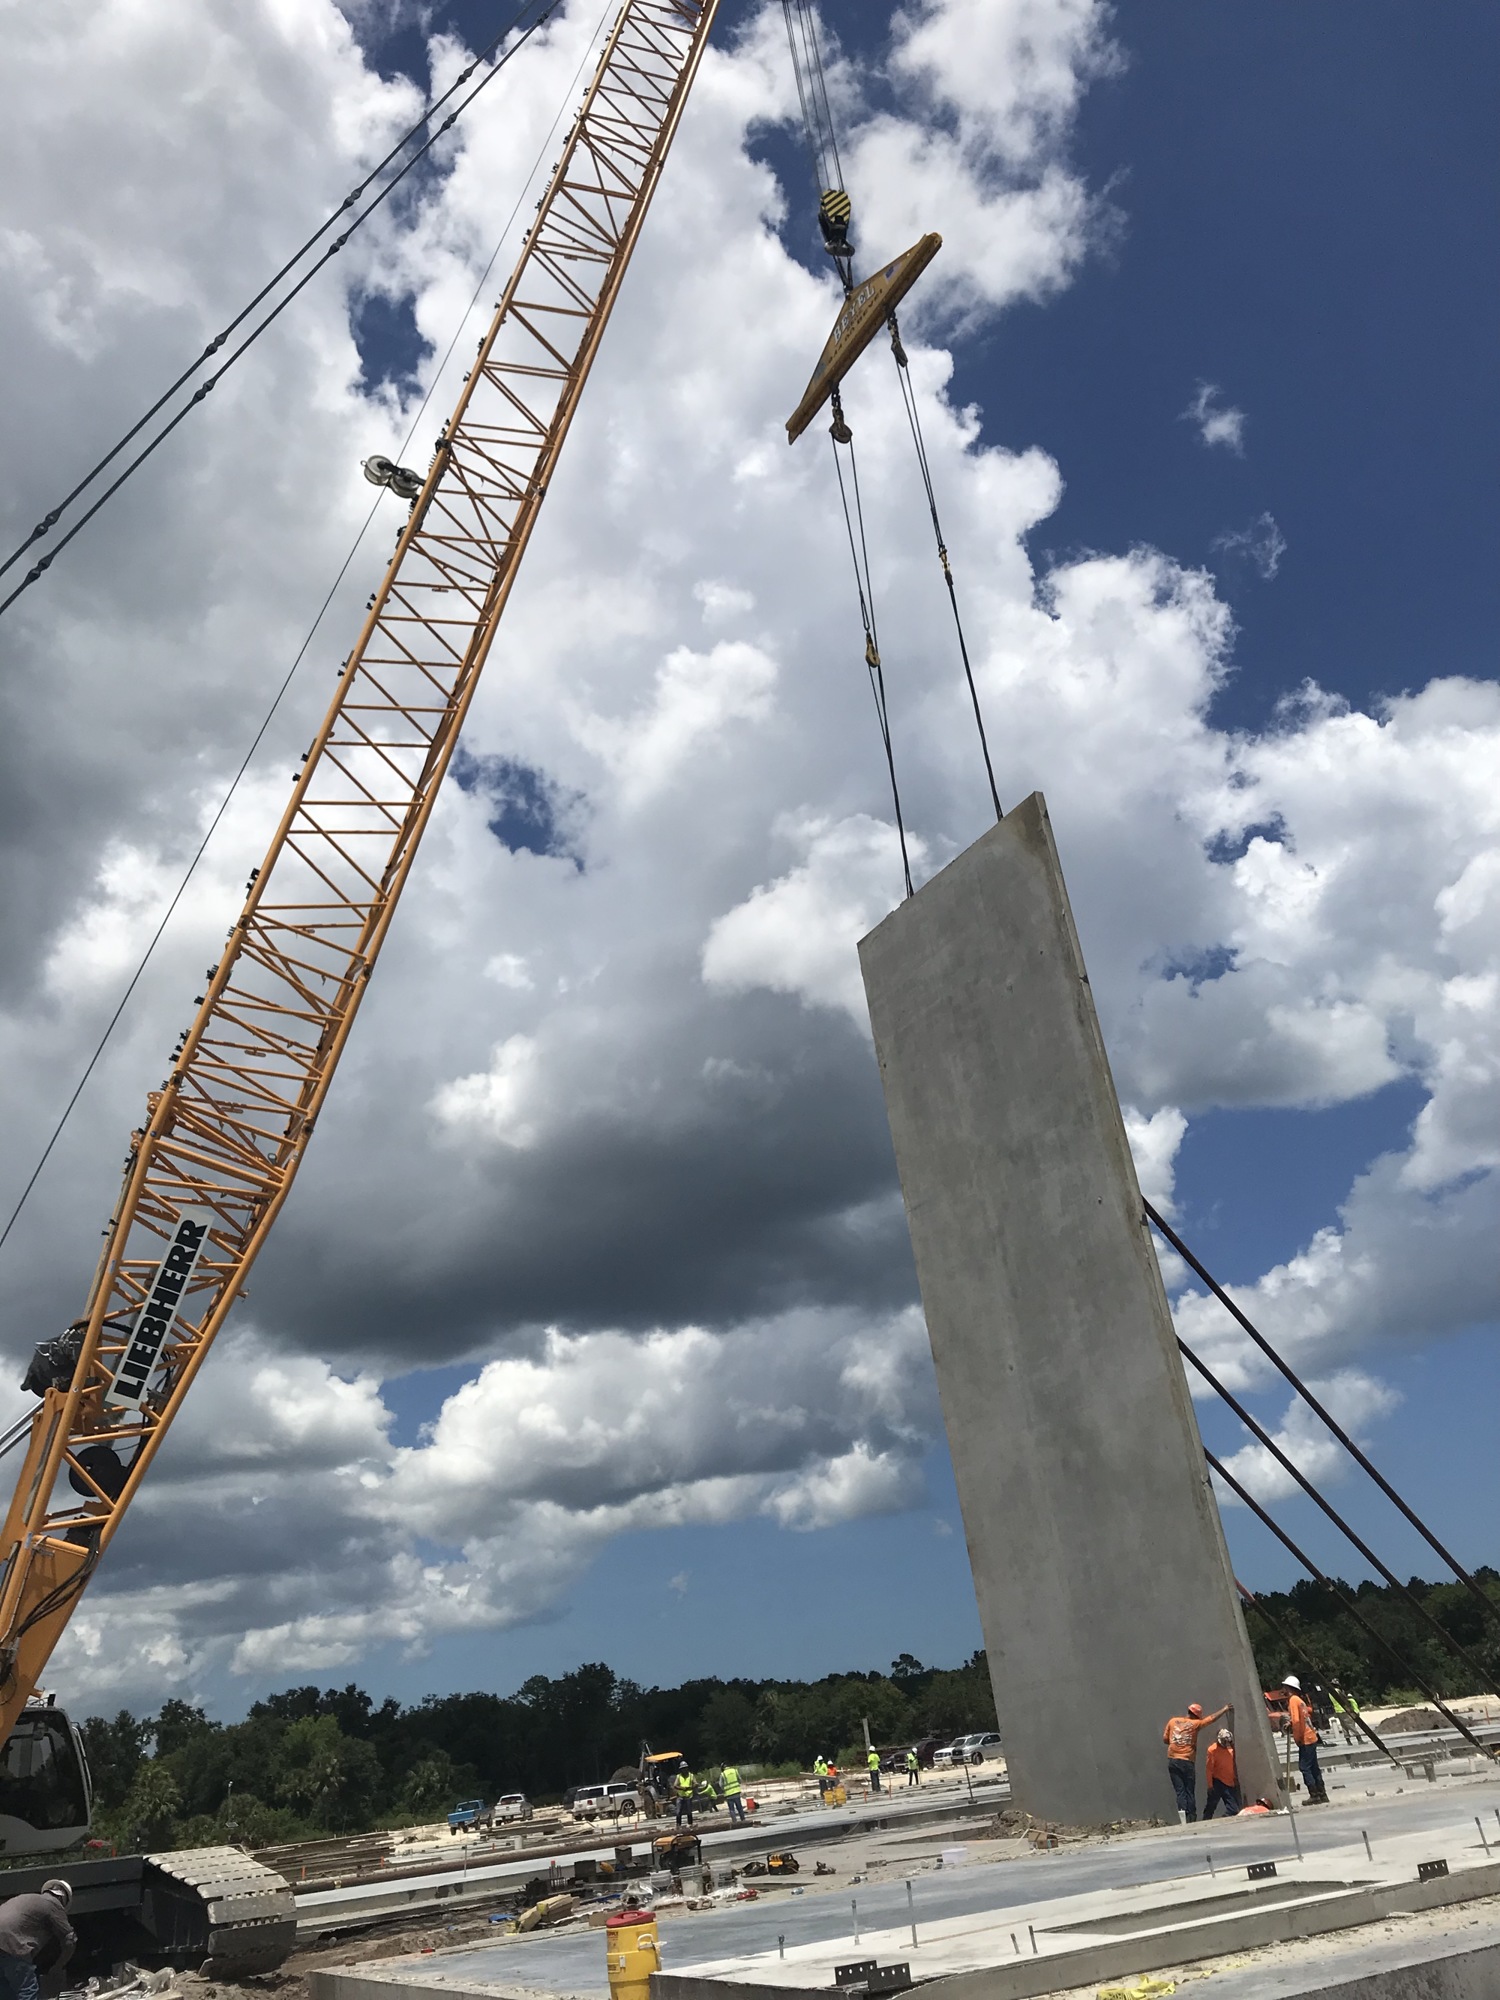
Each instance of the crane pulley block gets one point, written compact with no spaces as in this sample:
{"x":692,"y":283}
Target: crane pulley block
{"x":861,"y":316}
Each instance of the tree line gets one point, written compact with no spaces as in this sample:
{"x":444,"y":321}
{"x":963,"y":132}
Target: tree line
{"x":313,"y":1761}
{"x":1330,"y":1642}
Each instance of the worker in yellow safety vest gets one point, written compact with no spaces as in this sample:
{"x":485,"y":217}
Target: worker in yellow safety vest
{"x":872,"y":1764}
{"x":913,"y":1768}
{"x":684,"y":1790}
{"x":820,"y":1772}
{"x":732,"y":1799}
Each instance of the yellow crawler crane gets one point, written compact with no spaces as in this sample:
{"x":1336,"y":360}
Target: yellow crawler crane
{"x":209,"y":1169}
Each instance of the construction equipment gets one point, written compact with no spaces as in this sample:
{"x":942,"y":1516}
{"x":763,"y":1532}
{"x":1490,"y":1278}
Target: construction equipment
{"x":214,"y":1159}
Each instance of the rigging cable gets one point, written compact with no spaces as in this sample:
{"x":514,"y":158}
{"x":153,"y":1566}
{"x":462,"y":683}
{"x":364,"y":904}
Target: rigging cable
{"x":1320,"y":1411}
{"x":914,"y":420}
{"x":1348,"y":1603}
{"x":840,"y":433}
{"x":1264,"y":1438}
{"x":224,"y":805}
{"x":1350,"y":1714}
{"x":39,"y":569}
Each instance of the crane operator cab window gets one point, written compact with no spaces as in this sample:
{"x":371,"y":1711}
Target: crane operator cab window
{"x":42,"y":1782}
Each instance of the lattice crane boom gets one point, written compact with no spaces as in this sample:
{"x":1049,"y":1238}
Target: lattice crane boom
{"x":210,"y":1168}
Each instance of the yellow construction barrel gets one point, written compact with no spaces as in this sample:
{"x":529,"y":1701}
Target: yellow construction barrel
{"x":631,"y":1953}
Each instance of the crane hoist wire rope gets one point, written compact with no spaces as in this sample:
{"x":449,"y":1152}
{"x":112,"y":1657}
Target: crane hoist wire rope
{"x":835,"y":214}
{"x":50,"y":519}
{"x":8,"y":1439}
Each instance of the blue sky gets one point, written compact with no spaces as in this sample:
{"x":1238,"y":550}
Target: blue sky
{"x":589,"y":1331}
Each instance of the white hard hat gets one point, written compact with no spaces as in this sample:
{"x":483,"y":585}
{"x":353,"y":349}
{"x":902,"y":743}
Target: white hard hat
{"x":1291,"y":1681}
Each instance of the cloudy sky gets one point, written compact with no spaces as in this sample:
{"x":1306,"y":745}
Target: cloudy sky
{"x":591,"y":1330}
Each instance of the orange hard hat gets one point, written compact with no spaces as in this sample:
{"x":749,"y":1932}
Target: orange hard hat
{"x":1195,"y":1708}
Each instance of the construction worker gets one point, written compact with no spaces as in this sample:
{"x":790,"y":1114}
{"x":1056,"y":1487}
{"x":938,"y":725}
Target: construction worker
{"x":1221,"y":1775}
{"x":683,"y":1787}
{"x":1181,"y":1739}
{"x":730,"y":1778}
{"x":820,"y":1771}
{"x":872,"y":1765}
{"x":1344,"y":1711}
{"x":1299,"y":1720}
{"x":35,"y":1936}
{"x":913,"y":1768}
{"x":707,"y":1797}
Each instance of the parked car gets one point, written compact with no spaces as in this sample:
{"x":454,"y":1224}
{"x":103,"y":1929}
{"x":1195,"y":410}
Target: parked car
{"x":986,"y":1744}
{"x":468,"y":1816}
{"x":605,"y":1801}
{"x":511,"y":1805}
{"x":944,"y":1756}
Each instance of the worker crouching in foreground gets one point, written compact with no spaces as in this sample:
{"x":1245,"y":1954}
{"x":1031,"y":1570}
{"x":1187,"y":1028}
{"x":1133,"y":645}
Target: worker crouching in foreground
{"x":1221,"y":1774}
{"x":1181,"y":1739}
{"x":1299,"y":1720}
{"x":35,"y":1936}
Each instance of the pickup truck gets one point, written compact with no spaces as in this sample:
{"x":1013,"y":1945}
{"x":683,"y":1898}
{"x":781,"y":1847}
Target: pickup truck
{"x":469,"y":1815}
{"x":511,"y":1805}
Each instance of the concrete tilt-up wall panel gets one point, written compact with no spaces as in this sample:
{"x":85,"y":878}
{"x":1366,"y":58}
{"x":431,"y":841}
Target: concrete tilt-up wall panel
{"x":1105,"y":1590}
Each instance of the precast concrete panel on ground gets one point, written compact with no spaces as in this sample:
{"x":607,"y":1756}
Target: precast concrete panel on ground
{"x":1105,"y":1590}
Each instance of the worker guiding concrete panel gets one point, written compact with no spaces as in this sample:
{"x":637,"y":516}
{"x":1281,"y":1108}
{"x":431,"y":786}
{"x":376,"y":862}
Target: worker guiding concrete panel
{"x":1180,"y":1735}
{"x":1304,"y":1731}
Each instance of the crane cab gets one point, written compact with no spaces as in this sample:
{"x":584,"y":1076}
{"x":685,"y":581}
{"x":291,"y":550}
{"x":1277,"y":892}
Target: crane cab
{"x":46,"y":1794}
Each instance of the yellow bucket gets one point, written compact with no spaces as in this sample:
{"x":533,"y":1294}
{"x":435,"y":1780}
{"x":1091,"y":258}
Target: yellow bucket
{"x":631,"y":1954}
{"x":837,"y":1795}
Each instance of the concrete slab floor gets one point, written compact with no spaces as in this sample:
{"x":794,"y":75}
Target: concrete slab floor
{"x":979,"y":1920}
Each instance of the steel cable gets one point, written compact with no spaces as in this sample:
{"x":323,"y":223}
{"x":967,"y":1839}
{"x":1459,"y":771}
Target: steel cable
{"x":39,"y":569}
{"x":1264,"y":1438}
{"x":914,"y":421}
{"x":1348,"y":1603}
{"x":1326,"y":1416}
{"x":860,"y":556}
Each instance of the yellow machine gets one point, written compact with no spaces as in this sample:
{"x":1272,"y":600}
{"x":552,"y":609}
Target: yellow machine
{"x":214,"y":1158}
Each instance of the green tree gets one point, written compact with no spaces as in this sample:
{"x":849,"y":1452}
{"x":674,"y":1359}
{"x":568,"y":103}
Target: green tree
{"x":726,"y":1725}
{"x":115,"y":1750}
{"x":146,"y":1821}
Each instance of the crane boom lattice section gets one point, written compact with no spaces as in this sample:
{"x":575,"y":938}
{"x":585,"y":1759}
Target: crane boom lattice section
{"x":210,"y":1169}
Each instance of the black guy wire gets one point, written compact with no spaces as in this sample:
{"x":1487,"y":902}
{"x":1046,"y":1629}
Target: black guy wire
{"x":1319,"y":1673}
{"x":914,"y":420}
{"x":50,"y":519}
{"x":1320,"y":1411}
{"x":301,"y":652}
{"x":867,"y":618}
{"x":1263,"y":1437}
{"x":1349,"y":1605}
{"x":35,"y":574}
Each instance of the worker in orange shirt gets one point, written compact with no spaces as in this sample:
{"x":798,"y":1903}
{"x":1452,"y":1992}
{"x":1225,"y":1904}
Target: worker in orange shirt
{"x":1222,"y":1777}
{"x":1299,"y":1721}
{"x":1181,"y":1739}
